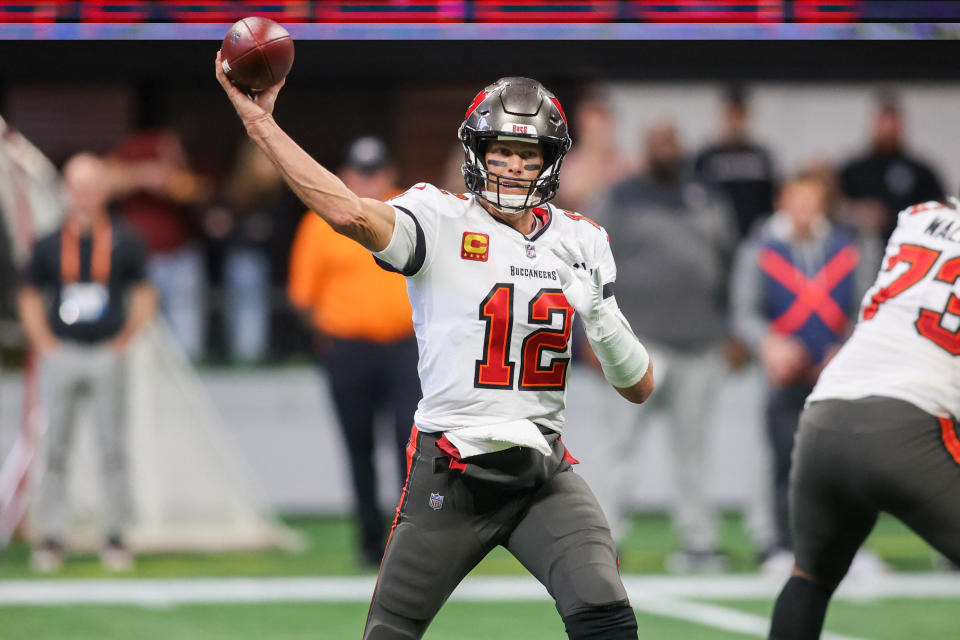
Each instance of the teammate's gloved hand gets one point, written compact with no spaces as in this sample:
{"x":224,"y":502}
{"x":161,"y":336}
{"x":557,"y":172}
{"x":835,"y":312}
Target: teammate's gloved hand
{"x":582,"y":284}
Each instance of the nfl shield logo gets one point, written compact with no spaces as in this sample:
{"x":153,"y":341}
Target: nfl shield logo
{"x":531,"y":251}
{"x":436,"y":501}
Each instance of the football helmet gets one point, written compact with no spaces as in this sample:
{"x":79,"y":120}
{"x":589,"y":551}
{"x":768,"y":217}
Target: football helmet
{"x":517,"y":109}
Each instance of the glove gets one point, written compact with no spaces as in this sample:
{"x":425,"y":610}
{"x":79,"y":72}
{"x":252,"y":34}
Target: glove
{"x":582,"y":285}
{"x":622,"y":357}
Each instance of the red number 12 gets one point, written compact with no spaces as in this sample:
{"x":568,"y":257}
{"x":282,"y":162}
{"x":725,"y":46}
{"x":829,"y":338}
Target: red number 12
{"x":495,"y":370}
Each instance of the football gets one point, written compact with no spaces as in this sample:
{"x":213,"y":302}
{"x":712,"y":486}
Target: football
{"x":256,"y":54}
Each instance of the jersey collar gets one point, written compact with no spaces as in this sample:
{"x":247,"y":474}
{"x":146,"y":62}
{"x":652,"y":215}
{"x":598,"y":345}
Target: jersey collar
{"x":543,"y":214}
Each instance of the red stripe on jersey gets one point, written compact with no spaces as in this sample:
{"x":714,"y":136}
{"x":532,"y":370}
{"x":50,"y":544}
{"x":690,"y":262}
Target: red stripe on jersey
{"x":924,"y":206}
{"x":577,"y":216}
{"x":949,"y":432}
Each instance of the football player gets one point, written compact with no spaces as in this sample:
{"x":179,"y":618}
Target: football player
{"x":879,"y":432}
{"x":494,"y":278}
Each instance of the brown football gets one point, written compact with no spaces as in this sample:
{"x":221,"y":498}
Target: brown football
{"x":256,"y":54}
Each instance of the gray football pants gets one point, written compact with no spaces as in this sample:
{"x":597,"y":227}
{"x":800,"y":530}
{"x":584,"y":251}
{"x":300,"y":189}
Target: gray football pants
{"x":855,"y":458}
{"x":65,"y":375}
{"x":449,"y":519}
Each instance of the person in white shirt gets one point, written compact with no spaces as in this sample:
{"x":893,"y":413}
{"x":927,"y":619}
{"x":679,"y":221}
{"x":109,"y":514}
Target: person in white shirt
{"x":494,"y":278}
{"x":879,"y":432}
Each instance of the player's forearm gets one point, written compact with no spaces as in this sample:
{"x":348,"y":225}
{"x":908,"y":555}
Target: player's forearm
{"x":318,"y":188}
{"x":623,"y":358}
{"x":639,"y":392}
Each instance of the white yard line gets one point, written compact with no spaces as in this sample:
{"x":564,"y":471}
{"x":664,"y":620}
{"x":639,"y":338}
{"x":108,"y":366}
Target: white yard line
{"x":713,"y":616}
{"x":479,"y":588}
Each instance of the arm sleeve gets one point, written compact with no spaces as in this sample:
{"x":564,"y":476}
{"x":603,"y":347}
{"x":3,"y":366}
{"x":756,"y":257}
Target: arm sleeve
{"x":747,"y":319}
{"x":605,"y":260}
{"x":414,"y":231}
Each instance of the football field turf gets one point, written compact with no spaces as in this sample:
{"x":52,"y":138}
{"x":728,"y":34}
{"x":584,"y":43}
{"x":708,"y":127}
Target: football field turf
{"x":321,"y":594}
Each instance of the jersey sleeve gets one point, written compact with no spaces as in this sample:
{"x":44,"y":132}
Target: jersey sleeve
{"x":608,"y":268}
{"x":414,"y":230}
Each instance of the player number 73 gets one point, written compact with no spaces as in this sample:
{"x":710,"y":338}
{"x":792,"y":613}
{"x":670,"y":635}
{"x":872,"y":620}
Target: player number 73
{"x":929,"y":323}
{"x":495,"y":370}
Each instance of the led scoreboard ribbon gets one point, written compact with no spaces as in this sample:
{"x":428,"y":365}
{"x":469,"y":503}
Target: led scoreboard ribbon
{"x":482,"y":11}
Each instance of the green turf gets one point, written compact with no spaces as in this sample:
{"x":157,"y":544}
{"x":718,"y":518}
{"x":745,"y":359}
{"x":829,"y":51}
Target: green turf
{"x":457,"y":620}
{"x":880,"y":620}
{"x":329,"y":551}
{"x":886,"y":619}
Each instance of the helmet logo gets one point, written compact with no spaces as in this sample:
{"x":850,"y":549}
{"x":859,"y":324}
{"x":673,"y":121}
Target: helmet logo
{"x":524,"y":129}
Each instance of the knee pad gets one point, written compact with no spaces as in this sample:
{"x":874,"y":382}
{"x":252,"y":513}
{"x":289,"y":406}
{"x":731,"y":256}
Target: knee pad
{"x":615,"y":622}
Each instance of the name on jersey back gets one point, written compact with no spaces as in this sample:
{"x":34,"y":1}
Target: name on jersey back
{"x":942,"y":228}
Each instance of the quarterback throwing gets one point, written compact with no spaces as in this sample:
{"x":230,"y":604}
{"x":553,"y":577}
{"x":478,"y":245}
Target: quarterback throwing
{"x":495,"y":277}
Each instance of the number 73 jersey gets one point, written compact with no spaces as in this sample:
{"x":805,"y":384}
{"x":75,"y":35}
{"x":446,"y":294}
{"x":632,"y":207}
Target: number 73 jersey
{"x":906,"y":344}
{"x":492,"y":323}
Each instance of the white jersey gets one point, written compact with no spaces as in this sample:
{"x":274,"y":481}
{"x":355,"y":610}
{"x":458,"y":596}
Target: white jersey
{"x":492,"y":324}
{"x":907,"y":342}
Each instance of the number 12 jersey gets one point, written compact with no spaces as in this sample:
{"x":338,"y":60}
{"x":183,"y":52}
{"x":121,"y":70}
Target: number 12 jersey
{"x":492,"y":323}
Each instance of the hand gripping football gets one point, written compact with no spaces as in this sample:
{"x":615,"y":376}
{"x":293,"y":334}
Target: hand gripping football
{"x":256,"y":54}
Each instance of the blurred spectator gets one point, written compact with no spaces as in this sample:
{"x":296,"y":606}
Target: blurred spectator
{"x":365,"y":335}
{"x":673,"y":239}
{"x":740,"y":168}
{"x":85,"y":296}
{"x":594,"y":163}
{"x":244,"y":220}
{"x":796,"y":287}
{"x":887,"y":178}
{"x":161,"y":211}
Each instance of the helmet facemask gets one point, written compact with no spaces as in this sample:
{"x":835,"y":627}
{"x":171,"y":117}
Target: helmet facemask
{"x":486,"y":184}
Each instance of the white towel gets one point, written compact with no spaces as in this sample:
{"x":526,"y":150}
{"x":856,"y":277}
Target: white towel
{"x":473,"y":441}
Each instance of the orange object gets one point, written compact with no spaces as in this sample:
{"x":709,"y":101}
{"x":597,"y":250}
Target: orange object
{"x":346,"y":293}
